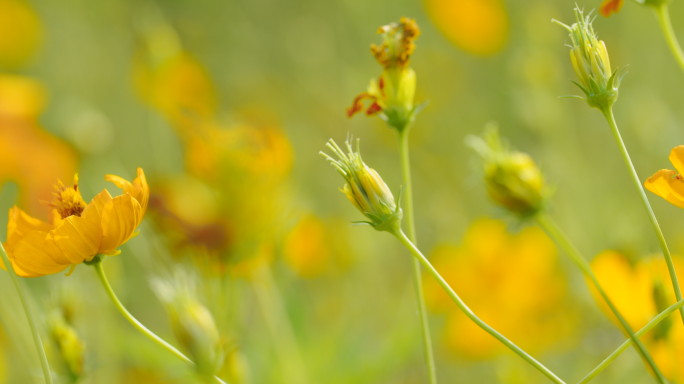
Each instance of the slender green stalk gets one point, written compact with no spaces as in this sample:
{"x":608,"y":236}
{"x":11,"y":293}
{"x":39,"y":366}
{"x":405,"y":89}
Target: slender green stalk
{"x":663,"y":15}
{"x":661,"y":316}
{"x":608,"y":112}
{"x":463,"y":307}
{"x":417,"y":278}
{"x":127,"y":315}
{"x":32,"y":322}
{"x":564,"y":243}
{"x":278,"y":324}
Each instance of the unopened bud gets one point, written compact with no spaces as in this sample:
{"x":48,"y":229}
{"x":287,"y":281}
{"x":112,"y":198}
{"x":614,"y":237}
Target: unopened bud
{"x":69,"y":344}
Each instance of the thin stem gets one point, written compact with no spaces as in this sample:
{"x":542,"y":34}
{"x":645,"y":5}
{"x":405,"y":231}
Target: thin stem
{"x":278,"y":324}
{"x":663,"y":15}
{"x":608,"y":112}
{"x":32,"y":322}
{"x":417,"y":278}
{"x":564,"y":243}
{"x":463,"y":307}
{"x":661,"y":316}
{"x":127,"y":315}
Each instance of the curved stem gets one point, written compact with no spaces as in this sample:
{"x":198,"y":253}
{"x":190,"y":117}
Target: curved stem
{"x":564,"y":243}
{"x":663,"y":15}
{"x":463,"y":307}
{"x":661,"y":316}
{"x":32,"y":322}
{"x":608,"y":112}
{"x":417,"y":278}
{"x":134,"y":322}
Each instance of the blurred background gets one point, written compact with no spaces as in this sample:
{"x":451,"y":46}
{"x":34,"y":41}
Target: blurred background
{"x":225,"y":105}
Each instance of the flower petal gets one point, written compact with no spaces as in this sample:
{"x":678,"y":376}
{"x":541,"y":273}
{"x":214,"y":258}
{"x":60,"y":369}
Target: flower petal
{"x":668,"y":185}
{"x":120,"y":218}
{"x":37,"y":254}
{"x":78,"y":238}
{"x":608,"y":7}
{"x":138,"y":189}
{"x":21,"y":224}
{"x":93,"y":211}
{"x":677,"y":158}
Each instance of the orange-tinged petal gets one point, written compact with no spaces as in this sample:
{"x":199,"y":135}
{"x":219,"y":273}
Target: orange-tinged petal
{"x":677,"y":158}
{"x":119,"y":220}
{"x":139,"y":189}
{"x":608,"y":7}
{"x":78,"y":238}
{"x":21,"y":224}
{"x":37,"y":255}
{"x":668,"y":185}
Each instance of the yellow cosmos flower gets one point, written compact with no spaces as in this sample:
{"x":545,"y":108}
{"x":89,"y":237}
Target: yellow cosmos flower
{"x":512,"y":281}
{"x":476,"y":26}
{"x":669,"y":184}
{"x":608,"y":7}
{"x":78,"y":231}
{"x":640,"y":292}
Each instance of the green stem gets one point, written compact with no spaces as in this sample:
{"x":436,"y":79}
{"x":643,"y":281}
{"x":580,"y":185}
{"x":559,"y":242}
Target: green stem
{"x":278,"y":323}
{"x":463,"y":307}
{"x":417,"y":278}
{"x":608,"y":112}
{"x":663,"y":15}
{"x":127,"y":315}
{"x":564,"y":243}
{"x":664,"y":314}
{"x":32,"y":322}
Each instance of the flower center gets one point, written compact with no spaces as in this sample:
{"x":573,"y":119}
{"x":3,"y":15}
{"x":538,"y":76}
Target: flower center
{"x":67,"y":200}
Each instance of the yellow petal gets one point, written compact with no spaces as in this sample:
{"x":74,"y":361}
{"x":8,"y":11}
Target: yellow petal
{"x":120,"y":218}
{"x":38,"y":255}
{"x":139,"y":189}
{"x":21,"y":224}
{"x":668,"y":185}
{"x":78,"y":238}
{"x":677,"y":158}
{"x":93,"y":212}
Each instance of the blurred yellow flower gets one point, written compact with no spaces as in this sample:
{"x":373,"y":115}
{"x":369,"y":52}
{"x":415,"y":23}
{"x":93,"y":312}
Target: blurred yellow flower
{"x":476,"y":26}
{"x":77,"y":232}
{"x":306,"y":248}
{"x":608,"y":7}
{"x":511,"y":281}
{"x":640,"y":292}
{"x":21,"y":101}
{"x":669,"y":184}
{"x":20,"y":33}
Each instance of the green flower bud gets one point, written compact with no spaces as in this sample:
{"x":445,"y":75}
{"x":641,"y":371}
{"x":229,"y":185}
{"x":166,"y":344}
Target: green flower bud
{"x":69,"y":345}
{"x":512,"y":178}
{"x":366,"y":189}
{"x":192,"y":323}
{"x":591,"y":63}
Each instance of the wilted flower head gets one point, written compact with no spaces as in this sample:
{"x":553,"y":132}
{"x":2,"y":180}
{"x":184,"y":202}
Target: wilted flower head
{"x":365,"y":188}
{"x":513,"y":179}
{"x":392,"y":95}
{"x":191,"y":322}
{"x":591,"y":63}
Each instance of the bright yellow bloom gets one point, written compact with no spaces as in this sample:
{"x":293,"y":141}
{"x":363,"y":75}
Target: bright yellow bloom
{"x":77,"y":232}
{"x":669,"y":184}
{"x":512,"y":282}
{"x":20,"y":33}
{"x":477,"y":26}
{"x":306,"y":248}
{"x":640,"y":292}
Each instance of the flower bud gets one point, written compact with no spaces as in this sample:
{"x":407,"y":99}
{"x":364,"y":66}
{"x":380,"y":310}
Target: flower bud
{"x":69,"y":344}
{"x":393,"y":93}
{"x":192,"y":323}
{"x":365,"y":188}
{"x":512,"y":178}
{"x":591,"y":63}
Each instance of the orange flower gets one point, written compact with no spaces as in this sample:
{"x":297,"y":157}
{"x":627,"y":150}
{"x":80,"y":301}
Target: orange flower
{"x":608,"y":7}
{"x":78,"y":232}
{"x":669,"y":184}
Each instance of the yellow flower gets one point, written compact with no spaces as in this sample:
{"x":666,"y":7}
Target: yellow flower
{"x":608,"y":7}
{"x":640,"y":292}
{"x":477,"y":26}
{"x":512,"y":281}
{"x":669,"y":184}
{"x":306,"y":248}
{"x":20,"y":33}
{"x":77,"y":232}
